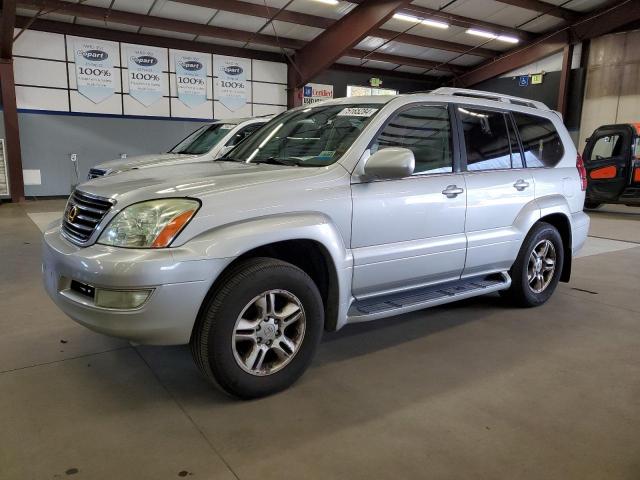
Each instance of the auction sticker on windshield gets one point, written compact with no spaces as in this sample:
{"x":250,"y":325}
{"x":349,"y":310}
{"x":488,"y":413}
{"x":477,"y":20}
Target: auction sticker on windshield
{"x":357,"y":112}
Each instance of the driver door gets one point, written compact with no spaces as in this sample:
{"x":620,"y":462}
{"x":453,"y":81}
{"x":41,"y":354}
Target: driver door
{"x":607,"y":158}
{"x":409,"y":232}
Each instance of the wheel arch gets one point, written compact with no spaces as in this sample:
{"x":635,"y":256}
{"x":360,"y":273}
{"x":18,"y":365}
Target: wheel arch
{"x":562,"y":223}
{"x":309,"y":241}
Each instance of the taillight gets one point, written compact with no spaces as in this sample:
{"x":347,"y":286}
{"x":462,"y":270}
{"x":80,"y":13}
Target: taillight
{"x":582,"y":171}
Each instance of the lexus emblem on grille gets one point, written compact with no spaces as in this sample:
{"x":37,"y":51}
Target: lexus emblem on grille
{"x":72,"y":213}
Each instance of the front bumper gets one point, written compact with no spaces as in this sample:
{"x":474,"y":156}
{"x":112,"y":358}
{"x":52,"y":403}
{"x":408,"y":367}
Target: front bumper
{"x":180,"y":282}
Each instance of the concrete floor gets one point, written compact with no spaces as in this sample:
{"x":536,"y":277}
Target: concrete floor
{"x":473,"y":390}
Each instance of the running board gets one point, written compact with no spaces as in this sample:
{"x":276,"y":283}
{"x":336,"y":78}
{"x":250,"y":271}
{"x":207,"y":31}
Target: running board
{"x":398,"y":303}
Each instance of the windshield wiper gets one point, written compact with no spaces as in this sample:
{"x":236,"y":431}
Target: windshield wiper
{"x":277,"y":161}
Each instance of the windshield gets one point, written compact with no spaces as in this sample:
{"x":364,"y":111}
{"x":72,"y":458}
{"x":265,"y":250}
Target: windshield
{"x":203,"y":140}
{"x":312,"y":137}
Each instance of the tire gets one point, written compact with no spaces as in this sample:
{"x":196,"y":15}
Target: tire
{"x":591,"y":205}
{"x":522,"y":293}
{"x":238,"y":345}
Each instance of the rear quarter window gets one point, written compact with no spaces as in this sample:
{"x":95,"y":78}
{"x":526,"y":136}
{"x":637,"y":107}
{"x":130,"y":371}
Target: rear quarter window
{"x":540,"y":140}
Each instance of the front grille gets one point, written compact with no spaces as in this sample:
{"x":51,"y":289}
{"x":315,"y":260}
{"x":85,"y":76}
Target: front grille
{"x":82,"y":215}
{"x":95,"y":173}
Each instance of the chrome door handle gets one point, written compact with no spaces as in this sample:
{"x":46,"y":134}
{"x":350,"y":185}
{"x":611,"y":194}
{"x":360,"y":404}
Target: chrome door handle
{"x":520,"y":185}
{"x":452,"y":191}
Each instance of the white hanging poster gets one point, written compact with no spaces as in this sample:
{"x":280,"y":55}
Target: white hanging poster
{"x":145,"y":73}
{"x":191,"y":78}
{"x":94,"y":69}
{"x":231,"y":82}
{"x":316,"y":92}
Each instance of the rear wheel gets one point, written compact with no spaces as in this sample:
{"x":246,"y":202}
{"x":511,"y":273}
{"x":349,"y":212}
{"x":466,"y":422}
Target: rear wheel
{"x":260,"y":329}
{"x":536,"y":272}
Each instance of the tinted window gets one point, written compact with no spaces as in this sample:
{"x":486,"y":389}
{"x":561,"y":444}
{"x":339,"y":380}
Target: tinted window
{"x":424,"y":130}
{"x":540,"y":140}
{"x":243,"y":133}
{"x":486,"y":138}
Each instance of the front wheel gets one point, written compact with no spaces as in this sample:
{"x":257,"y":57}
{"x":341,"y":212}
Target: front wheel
{"x":536,"y":272}
{"x":260,"y":329}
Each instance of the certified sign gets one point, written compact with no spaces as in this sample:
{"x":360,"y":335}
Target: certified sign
{"x":94,"y":69}
{"x":145,"y":74}
{"x":316,"y":92}
{"x":191,"y":79}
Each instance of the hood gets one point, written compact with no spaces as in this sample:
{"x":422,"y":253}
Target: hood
{"x":143,"y":161}
{"x":196,"y":180}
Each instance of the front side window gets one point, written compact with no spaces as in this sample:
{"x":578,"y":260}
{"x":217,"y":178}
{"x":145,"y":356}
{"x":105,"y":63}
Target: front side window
{"x":487,"y":140}
{"x":540,"y":140}
{"x":203,"y":140}
{"x":426,"y":131}
{"x":309,"y":137}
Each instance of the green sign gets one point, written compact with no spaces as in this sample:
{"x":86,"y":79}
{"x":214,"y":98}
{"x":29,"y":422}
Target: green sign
{"x":537,"y":78}
{"x":375,"y":82}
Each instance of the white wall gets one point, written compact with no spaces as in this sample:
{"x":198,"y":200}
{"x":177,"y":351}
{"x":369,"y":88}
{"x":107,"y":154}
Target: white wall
{"x":45,"y":80}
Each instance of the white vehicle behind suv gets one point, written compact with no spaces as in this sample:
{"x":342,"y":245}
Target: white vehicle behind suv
{"x":205,"y":144}
{"x":345,"y":211}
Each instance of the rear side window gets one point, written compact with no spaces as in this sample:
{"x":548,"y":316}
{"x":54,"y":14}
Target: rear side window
{"x":426,"y":131}
{"x":540,"y":140}
{"x":487,"y":140}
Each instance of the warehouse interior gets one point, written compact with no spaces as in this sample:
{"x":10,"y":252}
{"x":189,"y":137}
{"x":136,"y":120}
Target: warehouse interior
{"x":473,"y":389}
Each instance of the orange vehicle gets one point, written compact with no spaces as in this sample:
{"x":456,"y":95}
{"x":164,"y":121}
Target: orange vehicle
{"x":612,"y":160}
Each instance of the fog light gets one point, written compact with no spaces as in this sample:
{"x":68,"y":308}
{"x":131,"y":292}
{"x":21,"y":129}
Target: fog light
{"x":121,"y":299}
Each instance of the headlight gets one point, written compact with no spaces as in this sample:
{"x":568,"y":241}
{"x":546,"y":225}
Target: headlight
{"x":152,"y":224}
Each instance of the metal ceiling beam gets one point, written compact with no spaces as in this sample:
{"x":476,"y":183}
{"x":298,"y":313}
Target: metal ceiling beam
{"x":411,"y":62}
{"x":6,"y":28}
{"x":255,"y":10}
{"x":340,"y":37}
{"x":461,"y":21}
{"x":589,"y":26}
{"x":159,"y":23}
{"x":144,"y":39}
{"x":544,"y":7}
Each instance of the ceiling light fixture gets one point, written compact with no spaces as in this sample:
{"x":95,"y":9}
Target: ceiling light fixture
{"x":406,"y":18}
{"x":328,"y":2}
{"x":435,"y":23}
{"x":492,"y":36}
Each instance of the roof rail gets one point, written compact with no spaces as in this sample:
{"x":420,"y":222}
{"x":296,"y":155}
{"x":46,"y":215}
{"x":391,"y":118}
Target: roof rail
{"x":465,"y":92}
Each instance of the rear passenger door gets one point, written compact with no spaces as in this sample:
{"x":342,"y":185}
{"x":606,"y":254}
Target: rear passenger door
{"x":498,"y":188}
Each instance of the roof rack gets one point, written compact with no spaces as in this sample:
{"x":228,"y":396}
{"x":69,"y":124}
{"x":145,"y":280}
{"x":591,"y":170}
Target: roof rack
{"x":465,"y":92}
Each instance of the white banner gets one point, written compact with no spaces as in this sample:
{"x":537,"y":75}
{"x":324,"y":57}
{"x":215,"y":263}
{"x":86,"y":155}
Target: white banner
{"x":191,"y":78}
{"x":316,"y":92}
{"x":231,"y":85}
{"x":145,"y":73}
{"x":94,"y":69}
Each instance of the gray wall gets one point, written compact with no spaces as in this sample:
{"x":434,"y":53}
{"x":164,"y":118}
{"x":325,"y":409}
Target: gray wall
{"x":47,"y":141}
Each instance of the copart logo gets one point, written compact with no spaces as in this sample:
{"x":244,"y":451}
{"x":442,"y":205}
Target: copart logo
{"x":95,"y":55}
{"x":233,"y":70}
{"x":145,"y":60}
{"x":192,"y":66}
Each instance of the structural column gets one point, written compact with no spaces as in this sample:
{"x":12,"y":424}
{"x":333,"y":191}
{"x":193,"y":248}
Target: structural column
{"x":12,"y":135}
{"x":565,"y":77}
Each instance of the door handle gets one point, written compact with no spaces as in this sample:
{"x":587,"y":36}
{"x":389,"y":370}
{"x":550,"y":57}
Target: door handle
{"x":452,"y":191}
{"x":520,"y":185}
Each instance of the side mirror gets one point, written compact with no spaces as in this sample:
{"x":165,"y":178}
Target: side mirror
{"x":388,"y":163}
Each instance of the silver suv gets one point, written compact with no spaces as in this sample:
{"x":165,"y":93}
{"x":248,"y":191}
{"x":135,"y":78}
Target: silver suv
{"x":205,"y":144}
{"x":346,"y":211}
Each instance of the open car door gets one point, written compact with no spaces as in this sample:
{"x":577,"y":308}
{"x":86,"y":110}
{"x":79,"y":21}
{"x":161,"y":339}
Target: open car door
{"x":607,"y":157}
